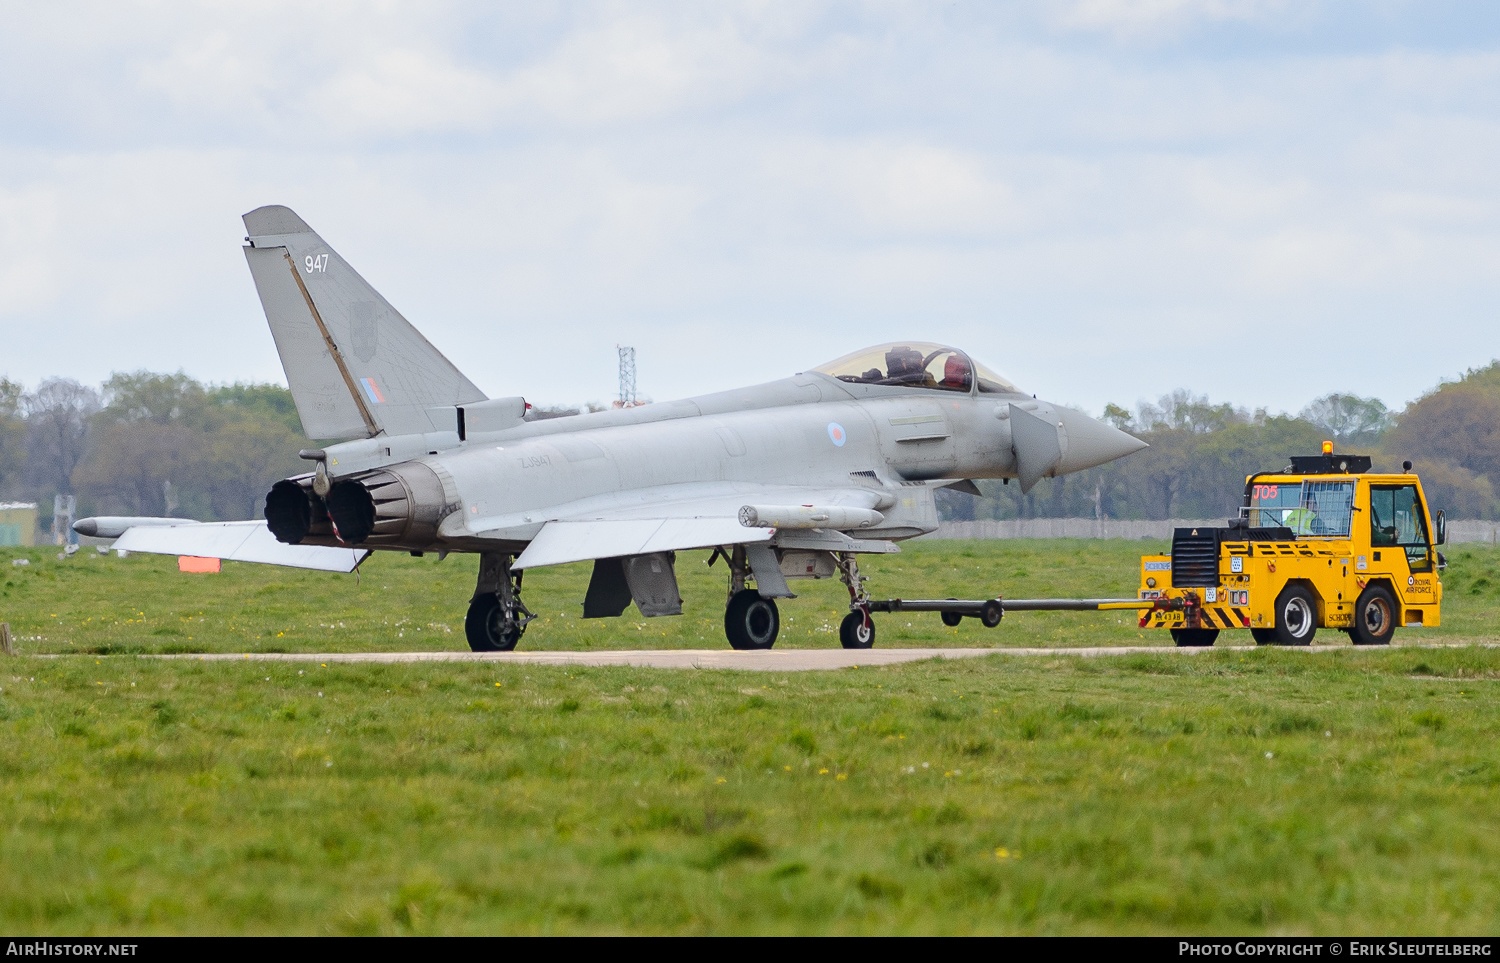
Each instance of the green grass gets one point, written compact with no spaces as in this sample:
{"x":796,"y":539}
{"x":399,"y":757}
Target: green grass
{"x":1228,"y":792}
{"x":1231,"y":792}
{"x":143,"y":604}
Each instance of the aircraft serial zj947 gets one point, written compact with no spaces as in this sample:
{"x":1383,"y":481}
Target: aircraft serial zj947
{"x":792,"y":479}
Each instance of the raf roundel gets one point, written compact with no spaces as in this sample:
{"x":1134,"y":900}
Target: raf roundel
{"x":837,"y":434}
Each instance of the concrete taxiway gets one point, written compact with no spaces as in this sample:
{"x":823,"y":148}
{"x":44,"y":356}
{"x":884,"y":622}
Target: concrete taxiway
{"x":780,"y":660}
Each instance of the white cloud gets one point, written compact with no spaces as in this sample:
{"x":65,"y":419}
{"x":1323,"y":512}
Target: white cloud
{"x":889,"y":188}
{"x":635,"y":68}
{"x":1135,"y":17}
{"x":745,"y":190}
{"x":28,"y":229}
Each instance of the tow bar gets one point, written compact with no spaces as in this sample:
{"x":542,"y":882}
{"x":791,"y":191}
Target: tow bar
{"x":991,"y":611}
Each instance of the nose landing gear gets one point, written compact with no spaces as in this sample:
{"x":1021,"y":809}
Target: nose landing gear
{"x":857,"y":631}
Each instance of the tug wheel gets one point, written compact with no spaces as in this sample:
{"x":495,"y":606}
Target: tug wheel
{"x":1194,"y":637}
{"x":1296,"y":616}
{"x":1374,"y":617}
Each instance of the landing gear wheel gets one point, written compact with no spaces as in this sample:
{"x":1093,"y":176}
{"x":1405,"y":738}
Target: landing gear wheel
{"x":751,"y":622}
{"x":1194,"y":637}
{"x":857,"y":631}
{"x":1296,"y":616}
{"x":1263,"y":636}
{"x":483,"y":626}
{"x":1374,"y":617}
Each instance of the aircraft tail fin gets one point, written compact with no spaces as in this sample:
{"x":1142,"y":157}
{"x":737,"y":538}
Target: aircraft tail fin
{"x":356,"y":367}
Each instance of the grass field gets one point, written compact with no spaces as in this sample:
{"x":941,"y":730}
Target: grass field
{"x":1257,"y":792}
{"x":143,"y":604}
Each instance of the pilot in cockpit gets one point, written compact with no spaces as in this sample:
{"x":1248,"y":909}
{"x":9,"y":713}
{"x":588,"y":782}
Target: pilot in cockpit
{"x":956,"y":373}
{"x":906,"y":366}
{"x":916,"y":364}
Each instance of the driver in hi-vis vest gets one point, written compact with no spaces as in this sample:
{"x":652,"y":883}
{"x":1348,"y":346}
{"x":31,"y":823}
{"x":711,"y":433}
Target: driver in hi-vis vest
{"x":1300,"y":520}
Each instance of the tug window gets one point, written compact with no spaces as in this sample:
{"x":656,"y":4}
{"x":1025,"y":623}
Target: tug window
{"x":1271,"y":503}
{"x":1332,"y":507}
{"x":1396,"y":521}
{"x":1309,"y":508}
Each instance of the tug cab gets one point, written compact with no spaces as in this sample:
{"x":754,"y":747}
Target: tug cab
{"x":1322,"y":544}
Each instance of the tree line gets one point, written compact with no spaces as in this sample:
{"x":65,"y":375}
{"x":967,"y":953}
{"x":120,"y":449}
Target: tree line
{"x":146,"y":443}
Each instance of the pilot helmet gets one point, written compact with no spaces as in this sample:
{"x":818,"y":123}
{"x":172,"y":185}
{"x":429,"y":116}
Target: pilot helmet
{"x":902,"y":360}
{"x":956,"y":371}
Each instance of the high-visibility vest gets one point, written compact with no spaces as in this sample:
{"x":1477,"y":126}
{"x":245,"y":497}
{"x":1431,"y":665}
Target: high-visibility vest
{"x":1300,"y":520}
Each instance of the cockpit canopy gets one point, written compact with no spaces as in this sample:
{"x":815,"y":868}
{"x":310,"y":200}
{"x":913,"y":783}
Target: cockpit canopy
{"x":915,"y":364}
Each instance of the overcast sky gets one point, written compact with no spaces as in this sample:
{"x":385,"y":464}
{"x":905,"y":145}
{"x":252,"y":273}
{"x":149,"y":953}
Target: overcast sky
{"x":1102,"y":199}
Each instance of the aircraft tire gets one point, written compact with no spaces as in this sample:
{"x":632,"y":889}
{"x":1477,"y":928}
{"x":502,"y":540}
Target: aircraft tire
{"x":857,"y":631}
{"x":1296,"y":616}
{"x":1189,"y":638}
{"x":1374,"y":617}
{"x":751,"y":622}
{"x":482,"y":626}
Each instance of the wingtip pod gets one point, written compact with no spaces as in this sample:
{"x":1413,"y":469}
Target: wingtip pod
{"x":113,"y":526}
{"x":274,"y":219}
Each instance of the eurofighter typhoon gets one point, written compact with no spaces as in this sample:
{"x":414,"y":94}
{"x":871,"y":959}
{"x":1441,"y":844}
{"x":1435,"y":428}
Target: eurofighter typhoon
{"x":782,"y":481}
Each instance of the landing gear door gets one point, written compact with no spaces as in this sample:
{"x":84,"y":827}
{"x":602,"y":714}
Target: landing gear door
{"x":653,"y":583}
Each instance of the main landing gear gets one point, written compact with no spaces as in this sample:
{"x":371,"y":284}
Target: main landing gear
{"x":497,"y":617}
{"x":750,"y":621}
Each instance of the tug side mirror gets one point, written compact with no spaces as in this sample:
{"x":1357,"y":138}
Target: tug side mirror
{"x":1441,"y":524}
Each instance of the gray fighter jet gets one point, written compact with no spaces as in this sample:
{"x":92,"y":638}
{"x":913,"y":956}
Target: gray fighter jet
{"x":792,"y":479}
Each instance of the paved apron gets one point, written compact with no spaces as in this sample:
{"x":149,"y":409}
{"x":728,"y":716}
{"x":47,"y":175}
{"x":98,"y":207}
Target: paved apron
{"x":783,"y":660}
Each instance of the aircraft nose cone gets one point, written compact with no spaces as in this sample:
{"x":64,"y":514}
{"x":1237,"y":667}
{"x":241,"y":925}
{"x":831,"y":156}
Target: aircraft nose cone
{"x":1093,"y":442}
{"x":86,"y":526}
